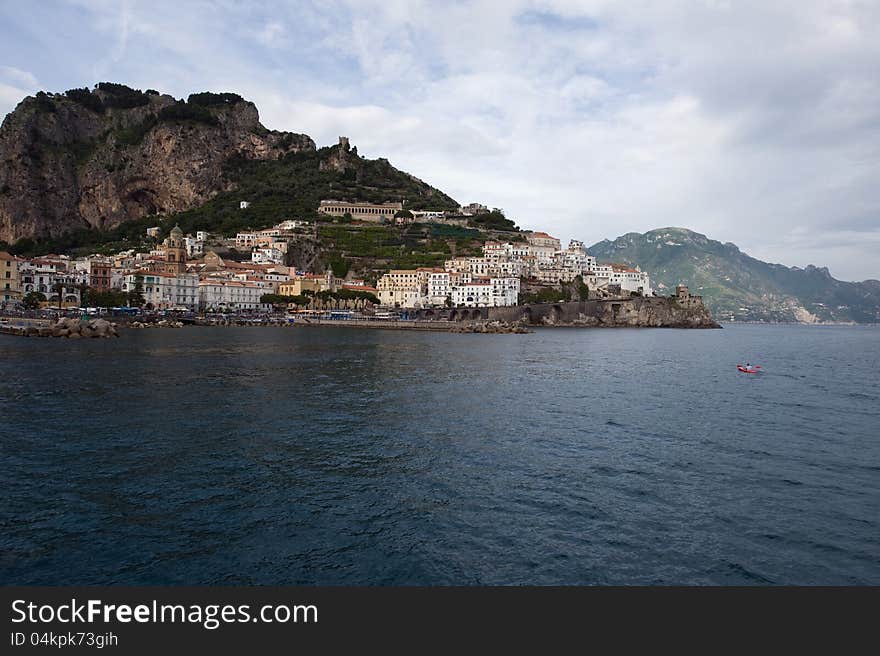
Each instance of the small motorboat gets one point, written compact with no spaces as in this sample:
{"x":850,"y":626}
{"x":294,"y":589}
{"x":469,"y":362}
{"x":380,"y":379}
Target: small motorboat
{"x":754,"y":369}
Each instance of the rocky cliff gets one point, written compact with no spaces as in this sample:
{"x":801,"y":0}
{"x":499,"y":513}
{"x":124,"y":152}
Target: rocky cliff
{"x":97,"y":158}
{"x":636,"y":312}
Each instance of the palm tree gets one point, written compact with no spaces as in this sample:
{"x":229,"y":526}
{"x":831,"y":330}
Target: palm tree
{"x":83,"y":293}
{"x":58,"y":288}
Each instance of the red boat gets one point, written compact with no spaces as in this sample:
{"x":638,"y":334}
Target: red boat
{"x":746,"y":370}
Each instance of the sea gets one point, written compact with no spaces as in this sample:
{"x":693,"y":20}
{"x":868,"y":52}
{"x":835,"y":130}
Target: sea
{"x":377,"y":457}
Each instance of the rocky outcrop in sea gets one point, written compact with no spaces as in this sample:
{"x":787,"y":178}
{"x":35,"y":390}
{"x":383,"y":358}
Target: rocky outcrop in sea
{"x":77,"y":329}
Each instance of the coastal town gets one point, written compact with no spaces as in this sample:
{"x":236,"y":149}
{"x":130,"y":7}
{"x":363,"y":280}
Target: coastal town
{"x":184,"y":273}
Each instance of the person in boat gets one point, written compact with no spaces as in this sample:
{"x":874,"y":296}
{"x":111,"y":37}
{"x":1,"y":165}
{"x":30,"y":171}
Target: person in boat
{"x":748,"y":365}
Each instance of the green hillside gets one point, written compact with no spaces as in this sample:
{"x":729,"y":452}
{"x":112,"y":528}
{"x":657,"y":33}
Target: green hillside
{"x":293,"y":186}
{"x":289,"y":187}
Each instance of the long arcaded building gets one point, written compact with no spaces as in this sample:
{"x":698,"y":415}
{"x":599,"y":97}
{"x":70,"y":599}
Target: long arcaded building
{"x":360,"y":211}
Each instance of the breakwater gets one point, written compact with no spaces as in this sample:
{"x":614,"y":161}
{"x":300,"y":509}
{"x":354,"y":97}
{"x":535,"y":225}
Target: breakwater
{"x":23,"y":327}
{"x":63,"y":327}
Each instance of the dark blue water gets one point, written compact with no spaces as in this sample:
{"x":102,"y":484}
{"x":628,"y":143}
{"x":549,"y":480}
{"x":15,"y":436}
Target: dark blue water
{"x":262,"y":455}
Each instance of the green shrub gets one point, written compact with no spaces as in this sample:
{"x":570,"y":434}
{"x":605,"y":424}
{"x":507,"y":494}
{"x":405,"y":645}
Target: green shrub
{"x":183,"y":112}
{"x":86,"y":98}
{"x":44,"y":103}
{"x":121,"y":96}
{"x":208,"y":99}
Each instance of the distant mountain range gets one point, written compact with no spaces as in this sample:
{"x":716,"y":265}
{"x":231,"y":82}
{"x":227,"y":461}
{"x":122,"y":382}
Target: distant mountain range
{"x":738,"y":287}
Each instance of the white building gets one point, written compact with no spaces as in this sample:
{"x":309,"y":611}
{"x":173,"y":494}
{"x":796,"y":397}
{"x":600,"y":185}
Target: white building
{"x":195,"y":247}
{"x":272,"y":277}
{"x":246,"y":240}
{"x":477,"y":293}
{"x":439,"y":288}
{"x":543,"y":247}
{"x":44,"y":276}
{"x":163,"y":291}
{"x":553,"y":275}
{"x":630,"y":279}
{"x":407,"y":288}
{"x":499,"y":251}
{"x":229,"y":295}
{"x":481,"y":292}
{"x":473,"y":208}
{"x":505,"y":291}
{"x":267,"y":255}
{"x":574,"y":258}
{"x":291,"y":224}
{"x":243,"y":205}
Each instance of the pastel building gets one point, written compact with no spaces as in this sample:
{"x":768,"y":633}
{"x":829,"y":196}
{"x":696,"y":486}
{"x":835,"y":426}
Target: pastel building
{"x":10,"y":280}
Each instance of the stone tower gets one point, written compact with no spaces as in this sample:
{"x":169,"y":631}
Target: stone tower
{"x":175,"y":252}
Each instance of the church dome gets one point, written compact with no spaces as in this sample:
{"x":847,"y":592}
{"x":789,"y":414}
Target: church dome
{"x":176,"y":232}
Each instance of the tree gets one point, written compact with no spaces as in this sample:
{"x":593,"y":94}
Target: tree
{"x":58,"y":288}
{"x":110,"y":298}
{"x":340,"y":266}
{"x":85,"y":293}
{"x":495,"y":219}
{"x":582,"y":289}
{"x":136,"y":295}
{"x":32,"y":300}
{"x":280,"y":299}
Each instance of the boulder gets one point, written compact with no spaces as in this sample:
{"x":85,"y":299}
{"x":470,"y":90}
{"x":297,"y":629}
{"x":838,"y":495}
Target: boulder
{"x":76,"y":328}
{"x":103,"y":328}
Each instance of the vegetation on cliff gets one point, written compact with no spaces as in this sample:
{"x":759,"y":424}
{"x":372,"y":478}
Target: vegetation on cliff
{"x":82,"y":164}
{"x":735,"y":285}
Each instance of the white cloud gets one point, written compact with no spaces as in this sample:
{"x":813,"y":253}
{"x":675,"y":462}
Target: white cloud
{"x":23,"y":79}
{"x":15,"y":84}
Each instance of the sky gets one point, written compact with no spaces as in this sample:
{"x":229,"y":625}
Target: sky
{"x":756,"y":123}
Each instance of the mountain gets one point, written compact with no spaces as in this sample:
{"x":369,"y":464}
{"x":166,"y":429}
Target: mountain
{"x":738,"y":287}
{"x":86,"y":160}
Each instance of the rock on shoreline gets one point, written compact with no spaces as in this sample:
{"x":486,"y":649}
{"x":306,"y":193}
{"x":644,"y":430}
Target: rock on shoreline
{"x":78,"y":328}
{"x":491,"y":327}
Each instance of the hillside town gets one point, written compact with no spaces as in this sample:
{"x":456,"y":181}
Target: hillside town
{"x":183,"y":273}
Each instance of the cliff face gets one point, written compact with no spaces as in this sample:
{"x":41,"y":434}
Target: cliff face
{"x":99,"y":158}
{"x":650,"y":312}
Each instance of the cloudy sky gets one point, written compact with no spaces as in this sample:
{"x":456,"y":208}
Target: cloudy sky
{"x":752,"y":122}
